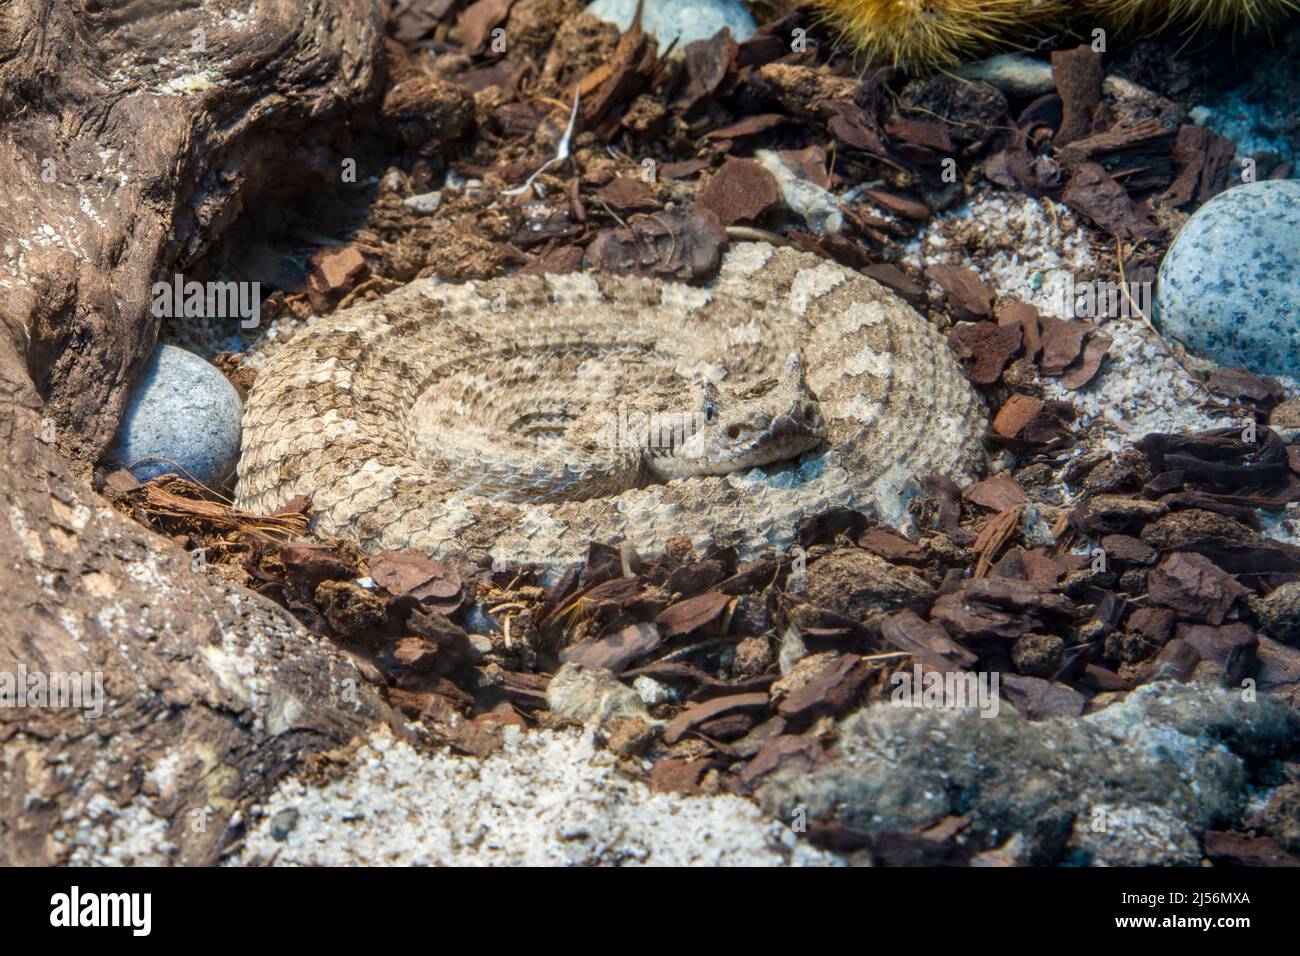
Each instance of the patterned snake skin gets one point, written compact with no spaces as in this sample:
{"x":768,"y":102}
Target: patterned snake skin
{"x":457,"y":418}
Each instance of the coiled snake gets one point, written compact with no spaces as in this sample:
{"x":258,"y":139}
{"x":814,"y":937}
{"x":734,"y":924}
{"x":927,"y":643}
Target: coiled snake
{"x":523,"y":417}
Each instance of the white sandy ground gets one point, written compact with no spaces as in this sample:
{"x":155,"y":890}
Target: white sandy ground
{"x":547,"y":798}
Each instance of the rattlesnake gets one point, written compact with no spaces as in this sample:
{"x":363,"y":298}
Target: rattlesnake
{"x":478,"y":417}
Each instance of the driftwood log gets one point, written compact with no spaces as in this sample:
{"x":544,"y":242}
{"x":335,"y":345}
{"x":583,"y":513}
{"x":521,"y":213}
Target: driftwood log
{"x":132,"y":134}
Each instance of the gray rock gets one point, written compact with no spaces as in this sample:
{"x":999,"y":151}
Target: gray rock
{"x":818,"y":208}
{"x":652,"y":692}
{"x":479,"y":621}
{"x":182,"y":418}
{"x":1013,"y":73}
{"x":1138,"y":781}
{"x":1229,"y":287}
{"x":592,"y":695}
{"x":680,"y":20}
{"x":1279,"y":612}
{"x":283,"y":823}
{"x":1131,"y":836}
{"x":425,"y":203}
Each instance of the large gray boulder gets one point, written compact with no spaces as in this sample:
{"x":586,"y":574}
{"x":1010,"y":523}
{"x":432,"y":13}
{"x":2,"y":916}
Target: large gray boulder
{"x":1134,"y":784}
{"x":1229,"y":286}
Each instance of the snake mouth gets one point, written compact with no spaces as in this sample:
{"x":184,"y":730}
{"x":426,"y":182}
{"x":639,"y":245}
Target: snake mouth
{"x":784,"y":439}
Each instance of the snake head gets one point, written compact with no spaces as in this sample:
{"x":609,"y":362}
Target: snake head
{"x":773,"y":420}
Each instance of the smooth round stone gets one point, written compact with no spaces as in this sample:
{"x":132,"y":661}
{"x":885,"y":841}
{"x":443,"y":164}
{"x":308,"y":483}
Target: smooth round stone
{"x":682,"y":20}
{"x":182,"y":417}
{"x":1013,"y":73}
{"x":1229,"y":287}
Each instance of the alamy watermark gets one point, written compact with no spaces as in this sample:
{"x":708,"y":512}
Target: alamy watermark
{"x":935,"y":690}
{"x":217,"y":300}
{"x":130,"y":910}
{"x":80,"y":690}
{"x":1100,"y":300}
{"x":636,"y":428}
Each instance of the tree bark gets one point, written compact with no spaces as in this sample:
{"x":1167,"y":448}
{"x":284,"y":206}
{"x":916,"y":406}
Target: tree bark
{"x":125,"y":151}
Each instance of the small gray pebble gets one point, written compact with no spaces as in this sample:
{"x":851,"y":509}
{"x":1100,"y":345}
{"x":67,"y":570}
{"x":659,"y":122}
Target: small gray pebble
{"x":680,"y":20}
{"x":183,"y":416}
{"x":479,"y":621}
{"x":282,"y":824}
{"x":425,"y":203}
{"x":1013,"y":73}
{"x":592,"y":695}
{"x":1229,"y":287}
{"x":652,"y":691}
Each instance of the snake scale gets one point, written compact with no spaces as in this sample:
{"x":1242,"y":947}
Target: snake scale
{"x":523,"y":417}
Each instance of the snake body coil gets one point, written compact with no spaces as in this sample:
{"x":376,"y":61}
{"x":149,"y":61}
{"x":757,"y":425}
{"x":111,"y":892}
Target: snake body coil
{"x":523,"y":417}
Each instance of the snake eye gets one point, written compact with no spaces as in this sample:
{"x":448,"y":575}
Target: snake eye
{"x":733,"y":431}
{"x":711,"y":413}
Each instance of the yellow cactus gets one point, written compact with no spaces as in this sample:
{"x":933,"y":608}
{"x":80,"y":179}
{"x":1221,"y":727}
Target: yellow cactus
{"x":921,"y":34}
{"x":929,"y":33}
{"x":1190,"y":14}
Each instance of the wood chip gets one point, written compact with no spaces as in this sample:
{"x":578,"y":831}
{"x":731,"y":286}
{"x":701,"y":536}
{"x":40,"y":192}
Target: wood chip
{"x":968,"y":297}
{"x":985,"y":349}
{"x":476,"y":24}
{"x":1015,"y":312}
{"x":615,"y":652}
{"x":997,"y":493}
{"x":1077,"y":74}
{"x":902,"y":205}
{"x":628,"y":194}
{"x":1085,"y":369}
{"x":1094,"y":193}
{"x":833,"y":691}
{"x":741,"y":190}
{"x":1062,"y":344}
{"x":677,"y":246}
{"x":929,"y":644}
{"x":1230,"y":848}
{"x":679,"y":774}
{"x":892,"y":277}
{"x":414,"y":575}
{"x":1194,"y":587}
{"x":1039,"y":699}
{"x":332,"y":272}
{"x":892,"y":547}
{"x":1026,"y":420}
{"x":748,"y":126}
{"x":693,"y":613}
{"x":690,"y":718}
{"x":993,"y":537}
{"x":1206,"y":160}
